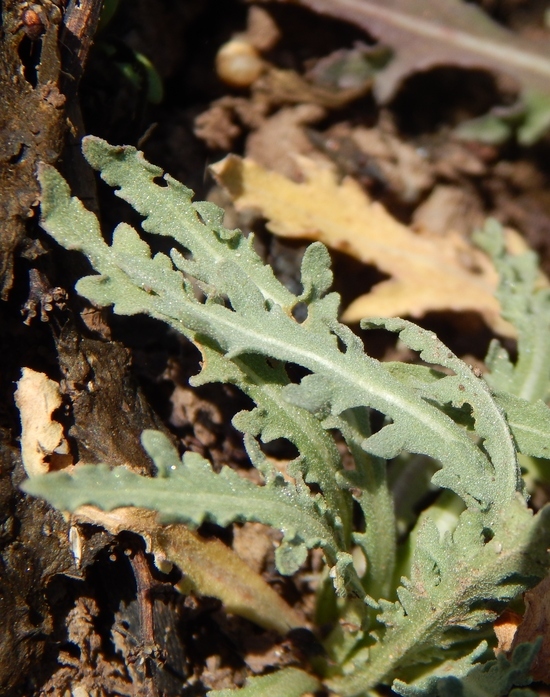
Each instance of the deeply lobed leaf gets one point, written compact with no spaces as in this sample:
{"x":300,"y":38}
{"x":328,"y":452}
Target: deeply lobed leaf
{"x":189,"y":491}
{"x":242,"y":320}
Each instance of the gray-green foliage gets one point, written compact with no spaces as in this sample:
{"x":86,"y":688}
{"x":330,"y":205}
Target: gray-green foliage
{"x":526,"y":304}
{"x":528,"y":120}
{"x":214,"y":289}
{"x":501,"y":676}
{"x":290,"y":682}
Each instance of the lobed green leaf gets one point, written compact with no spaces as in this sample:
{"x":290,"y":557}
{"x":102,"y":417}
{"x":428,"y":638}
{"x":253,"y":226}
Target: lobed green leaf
{"x":214,"y":289}
{"x":496,"y":678}
{"x":189,"y":491}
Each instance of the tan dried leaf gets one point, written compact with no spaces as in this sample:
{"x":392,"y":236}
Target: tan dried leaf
{"x":43,"y":445}
{"x":209,"y":567}
{"x":287,"y":86}
{"x":262,"y":30}
{"x":427,"y":273}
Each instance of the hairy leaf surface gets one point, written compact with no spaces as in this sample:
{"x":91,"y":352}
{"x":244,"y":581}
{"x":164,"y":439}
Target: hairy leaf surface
{"x":189,"y":491}
{"x":214,"y":289}
{"x":492,"y":679}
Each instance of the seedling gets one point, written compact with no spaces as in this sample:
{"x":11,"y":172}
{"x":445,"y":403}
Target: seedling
{"x":417,"y":614}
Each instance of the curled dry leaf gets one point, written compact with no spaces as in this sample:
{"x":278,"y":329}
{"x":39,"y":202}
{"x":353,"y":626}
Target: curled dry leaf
{"x":402,"y":167}
{"x":449,"y":208}
{"x":43,"y":445}
{"x":225,"y":119}
{"x":277,"y":141}
{"x":427,"y":273}
{"x":288,"y":86}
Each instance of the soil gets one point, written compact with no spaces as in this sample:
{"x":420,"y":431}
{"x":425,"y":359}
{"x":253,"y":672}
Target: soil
{"x":73,"y":598}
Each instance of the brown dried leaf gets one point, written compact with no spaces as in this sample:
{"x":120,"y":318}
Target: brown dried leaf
{"x":536,"y":623}
{"x":261,"y":31}
{"x":428,"y":273}
{"x":429,"y":33}
{"x":449,"y":208}
{"x":276,"y":142}
{"x":287,"y":86}
{"x":505,"y":630}
{"x":43,"y":445}
{"x":209,"y":566}
{"x":215,"y":570}
{"x":402,"y":168}
{"x":253,"y":542}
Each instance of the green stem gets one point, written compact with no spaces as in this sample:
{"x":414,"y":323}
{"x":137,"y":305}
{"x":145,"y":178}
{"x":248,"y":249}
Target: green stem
{"x":434,"y":615}
{"x":378,"y":542}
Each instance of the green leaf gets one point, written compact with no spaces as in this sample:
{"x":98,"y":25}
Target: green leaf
{"x":537,"y":118}
{"x":528,"y":119}
{"x":529,"y":423}
{"x":525,"y":303}
{"x":259,"y":320}
{"x":452,"y":580}
{"x":427,"y":685}
{"x":495,"y":678}
{"x":490,"y":128}
{"x":463,"y":387}
{"x":370,"y":487}
{"x":214,"y":289}
{"x":198,"y":227}
{"x":288,"y":682}
{"x":188,"y":491}
{"x":273,"y":417}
